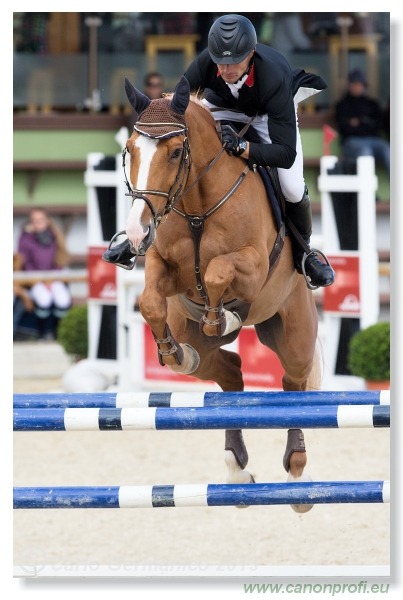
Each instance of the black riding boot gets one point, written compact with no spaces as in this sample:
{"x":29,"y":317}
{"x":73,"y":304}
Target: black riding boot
{"x":124,"y":255}
{"x":320,"y":274}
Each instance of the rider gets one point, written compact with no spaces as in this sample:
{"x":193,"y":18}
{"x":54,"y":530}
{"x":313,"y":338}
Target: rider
{"x":254,"y":80}
{"x":251,"y":80}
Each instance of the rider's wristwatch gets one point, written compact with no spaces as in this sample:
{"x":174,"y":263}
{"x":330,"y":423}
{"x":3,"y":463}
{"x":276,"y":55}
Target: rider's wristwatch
{"x":241,"y":147}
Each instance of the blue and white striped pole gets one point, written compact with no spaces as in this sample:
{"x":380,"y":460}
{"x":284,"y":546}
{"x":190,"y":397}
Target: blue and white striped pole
{"x":228,"y":417}
{"x":249,"y":494}
{"x":198,"y":399}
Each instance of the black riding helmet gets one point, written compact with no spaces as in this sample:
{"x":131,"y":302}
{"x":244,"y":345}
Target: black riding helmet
{"x":230,"y":39}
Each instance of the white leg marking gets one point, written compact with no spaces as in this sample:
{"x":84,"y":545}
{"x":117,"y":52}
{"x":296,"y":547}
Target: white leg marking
{"x":300,"y":508}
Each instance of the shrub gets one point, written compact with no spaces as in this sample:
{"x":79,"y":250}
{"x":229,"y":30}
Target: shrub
{"x":72,"y":332}
{"x":369,"y":353}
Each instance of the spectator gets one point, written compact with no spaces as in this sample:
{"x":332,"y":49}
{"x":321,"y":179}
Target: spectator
{"x":22,"y":301}
{"x":42,"y":247}
{"x":359,"y":120}
{"x":153,"y":85}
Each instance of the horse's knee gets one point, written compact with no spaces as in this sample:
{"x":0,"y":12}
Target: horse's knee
{"x":219,"y":273}
{"x":152,"y":307}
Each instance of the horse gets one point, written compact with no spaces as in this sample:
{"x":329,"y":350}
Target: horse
{"x":217,"y":263}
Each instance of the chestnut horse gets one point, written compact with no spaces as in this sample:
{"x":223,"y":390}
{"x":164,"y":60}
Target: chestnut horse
{"x":208,"y":272}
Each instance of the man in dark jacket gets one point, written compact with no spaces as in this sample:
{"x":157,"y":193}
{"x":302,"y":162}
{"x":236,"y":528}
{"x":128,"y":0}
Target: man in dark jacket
{"x":360,"y":121}
{"x":246,"y":79}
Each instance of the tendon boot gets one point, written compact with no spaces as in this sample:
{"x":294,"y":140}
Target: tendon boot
{"x":316,"y":273}
{"x":124,"y":255}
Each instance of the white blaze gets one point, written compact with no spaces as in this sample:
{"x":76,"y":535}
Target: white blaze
{"x":134,"y":229}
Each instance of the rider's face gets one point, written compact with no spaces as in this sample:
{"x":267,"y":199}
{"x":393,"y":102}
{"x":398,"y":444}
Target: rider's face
{"x":231,"y":73}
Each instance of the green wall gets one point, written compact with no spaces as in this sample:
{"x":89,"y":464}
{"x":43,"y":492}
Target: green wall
{"x":62,"y":145}
{"x":67,"y":187}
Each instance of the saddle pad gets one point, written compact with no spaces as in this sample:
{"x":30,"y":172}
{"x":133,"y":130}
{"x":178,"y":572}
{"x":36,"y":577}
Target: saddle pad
{"x":273,"y":198}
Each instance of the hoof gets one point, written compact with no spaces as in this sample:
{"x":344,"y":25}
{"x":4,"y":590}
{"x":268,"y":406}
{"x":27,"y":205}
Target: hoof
{"x":300,"y":508}
{"x":233,"y":322}
{"x":236,"y":474}
{"x":251,"y":480}
{"x":191,"y":361}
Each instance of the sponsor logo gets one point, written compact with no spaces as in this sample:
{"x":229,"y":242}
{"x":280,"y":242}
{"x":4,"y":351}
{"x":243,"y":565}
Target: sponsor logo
{"x":350,"y":304}
{"x":108,"y":291}
{"x":226,"y":53}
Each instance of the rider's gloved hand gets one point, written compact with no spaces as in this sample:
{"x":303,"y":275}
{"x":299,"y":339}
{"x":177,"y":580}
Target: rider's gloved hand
{"x":232,"y":142}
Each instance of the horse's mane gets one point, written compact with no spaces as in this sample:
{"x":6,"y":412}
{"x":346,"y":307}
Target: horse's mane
{"x":195,"y":97}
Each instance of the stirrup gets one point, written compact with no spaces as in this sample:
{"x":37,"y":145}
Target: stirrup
{"x":304,"y":258}
{"x":125,"y":248}
{"x":124,"y":254}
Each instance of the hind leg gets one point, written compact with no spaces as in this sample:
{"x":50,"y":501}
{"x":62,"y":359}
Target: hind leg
{"x":223,"y":367}
{"x":296,"y":348}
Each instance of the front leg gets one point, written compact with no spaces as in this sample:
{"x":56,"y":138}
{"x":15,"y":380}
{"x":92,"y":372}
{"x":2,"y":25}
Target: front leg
{"x":161,"y":282}
{"x":158,"y":285}
{"x":236,"y":275}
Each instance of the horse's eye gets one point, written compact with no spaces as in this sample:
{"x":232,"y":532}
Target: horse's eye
{"x":176,"y":153}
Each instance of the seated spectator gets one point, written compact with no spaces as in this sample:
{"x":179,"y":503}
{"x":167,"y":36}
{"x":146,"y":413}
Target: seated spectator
{"x":42,"y":246}
{"x":153,"y":85}
{"x":22,"y":301}
{"x":359,"y":120}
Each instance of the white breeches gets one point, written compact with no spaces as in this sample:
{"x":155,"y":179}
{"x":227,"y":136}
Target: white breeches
{"x":291,"y":180}
{"x":55,"y":293}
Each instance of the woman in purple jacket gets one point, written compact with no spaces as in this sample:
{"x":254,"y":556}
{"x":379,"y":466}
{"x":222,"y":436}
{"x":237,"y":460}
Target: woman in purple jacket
{"x":42,"y":247}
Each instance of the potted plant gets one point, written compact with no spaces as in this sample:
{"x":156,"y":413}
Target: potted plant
{"x":72,"y":332}
{"x":369,"y":355}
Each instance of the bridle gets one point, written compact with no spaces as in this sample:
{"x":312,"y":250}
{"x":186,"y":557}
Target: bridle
{"x":179,"y":189}
{"x":175,"y":191}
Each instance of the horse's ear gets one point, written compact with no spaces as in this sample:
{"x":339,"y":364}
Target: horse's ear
{"x":180,"y":99}
{"x":137,"y":99}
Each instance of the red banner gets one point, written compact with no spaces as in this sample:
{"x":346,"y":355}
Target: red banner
{"x":260,"y":366}
{"x":102,"y":283}
{"x":152,"y":368}
{"x":344,"y":295}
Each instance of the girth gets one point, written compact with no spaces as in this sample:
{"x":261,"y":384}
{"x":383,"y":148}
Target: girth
{"x":196,"y":311}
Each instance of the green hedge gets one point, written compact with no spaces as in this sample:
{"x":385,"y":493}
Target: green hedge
{"x":369,"y":353}
{"x":72,"y":332}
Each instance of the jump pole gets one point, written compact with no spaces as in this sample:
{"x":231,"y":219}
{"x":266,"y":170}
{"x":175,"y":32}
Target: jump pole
{"x":228,"y":417}
{"x":158,"y":496}
{"x":199,"y":399}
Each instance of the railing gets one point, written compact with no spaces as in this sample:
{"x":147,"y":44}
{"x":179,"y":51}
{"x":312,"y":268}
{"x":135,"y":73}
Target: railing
{"x":66,"y":275}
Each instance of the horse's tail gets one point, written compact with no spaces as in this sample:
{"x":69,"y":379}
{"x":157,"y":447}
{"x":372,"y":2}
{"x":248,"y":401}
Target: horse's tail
{"x":315,"y":376}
